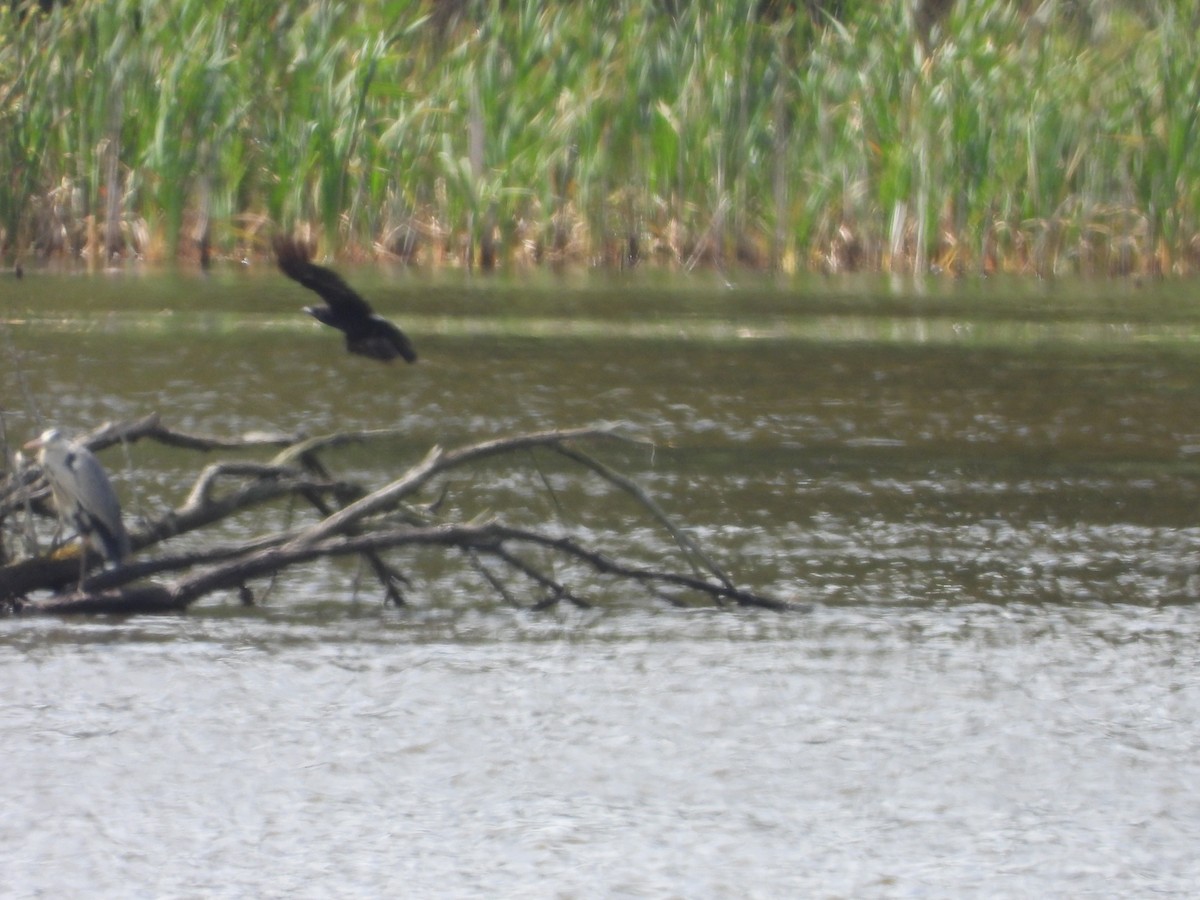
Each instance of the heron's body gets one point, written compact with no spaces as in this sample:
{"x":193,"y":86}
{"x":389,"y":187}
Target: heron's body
{"x":83,"y":494}
{"x":367,"y":333}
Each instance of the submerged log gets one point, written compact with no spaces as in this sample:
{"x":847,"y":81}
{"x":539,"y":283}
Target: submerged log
{"x":350,"y":520}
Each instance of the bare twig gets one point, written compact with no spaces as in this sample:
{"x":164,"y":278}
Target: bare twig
{"x":557,"y":591}
{"x":438,"y":461}
{"x":490,"y":577}
{"x":151,"y":428}
{"x":691,"y":549}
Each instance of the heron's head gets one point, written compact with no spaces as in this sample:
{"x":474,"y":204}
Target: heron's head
{"x":45,"y":439}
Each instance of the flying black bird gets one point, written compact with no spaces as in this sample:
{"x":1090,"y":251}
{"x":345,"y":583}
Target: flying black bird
{"x":367,"y":333}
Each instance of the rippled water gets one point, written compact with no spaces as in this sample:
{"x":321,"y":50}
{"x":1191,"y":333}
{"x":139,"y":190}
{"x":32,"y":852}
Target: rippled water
{"x":988,"y":495}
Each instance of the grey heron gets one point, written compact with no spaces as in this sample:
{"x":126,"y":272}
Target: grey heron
{"x":367,"y":333}
{"x":83,"y":494}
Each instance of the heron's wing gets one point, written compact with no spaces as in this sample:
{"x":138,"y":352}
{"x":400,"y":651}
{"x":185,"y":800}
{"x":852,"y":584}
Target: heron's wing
{"x":86,"y":496}
{"x":114,"y":542}
{"x":293,"y":260}
{"x":94,"y":492}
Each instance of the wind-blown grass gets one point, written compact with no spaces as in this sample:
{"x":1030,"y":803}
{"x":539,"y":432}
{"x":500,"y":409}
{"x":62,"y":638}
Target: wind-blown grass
{"x":533,"y":131}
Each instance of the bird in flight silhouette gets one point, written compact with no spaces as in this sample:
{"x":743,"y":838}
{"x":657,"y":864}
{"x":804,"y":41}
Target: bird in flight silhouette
{"x":367,"y":333}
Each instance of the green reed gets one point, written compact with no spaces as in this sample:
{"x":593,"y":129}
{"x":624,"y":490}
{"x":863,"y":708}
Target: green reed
{"x":606,"y":133}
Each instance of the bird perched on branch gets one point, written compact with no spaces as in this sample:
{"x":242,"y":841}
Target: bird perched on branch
{"x":367,"y":333}
{"x":83,"y":494}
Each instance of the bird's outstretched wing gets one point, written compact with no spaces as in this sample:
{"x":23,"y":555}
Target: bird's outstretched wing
{"x":294,"y":261}
{"x":367,"y":334}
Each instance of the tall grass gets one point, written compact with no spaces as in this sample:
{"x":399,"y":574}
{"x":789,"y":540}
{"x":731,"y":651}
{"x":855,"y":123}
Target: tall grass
{"x":541,"y":132}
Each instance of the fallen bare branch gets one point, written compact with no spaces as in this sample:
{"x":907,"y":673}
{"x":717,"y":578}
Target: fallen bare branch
{"x":151,"y":428}
{"x":355,"y":521}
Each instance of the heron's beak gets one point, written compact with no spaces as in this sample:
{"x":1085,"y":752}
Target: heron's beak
{"x":35,"y":444}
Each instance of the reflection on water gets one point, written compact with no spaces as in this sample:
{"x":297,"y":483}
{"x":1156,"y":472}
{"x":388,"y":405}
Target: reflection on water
{"x":989,"y":499}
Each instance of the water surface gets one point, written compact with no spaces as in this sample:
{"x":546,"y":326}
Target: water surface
{"x":986,"y":492}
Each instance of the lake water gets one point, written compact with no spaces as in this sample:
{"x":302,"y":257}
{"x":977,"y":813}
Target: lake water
{"x":986,"y":494}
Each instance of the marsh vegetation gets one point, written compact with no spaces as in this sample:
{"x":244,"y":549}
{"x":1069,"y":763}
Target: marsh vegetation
{"x":1042,"y":138}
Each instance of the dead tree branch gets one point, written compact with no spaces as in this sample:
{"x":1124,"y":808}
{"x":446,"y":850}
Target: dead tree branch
{"x":355,"y":521}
